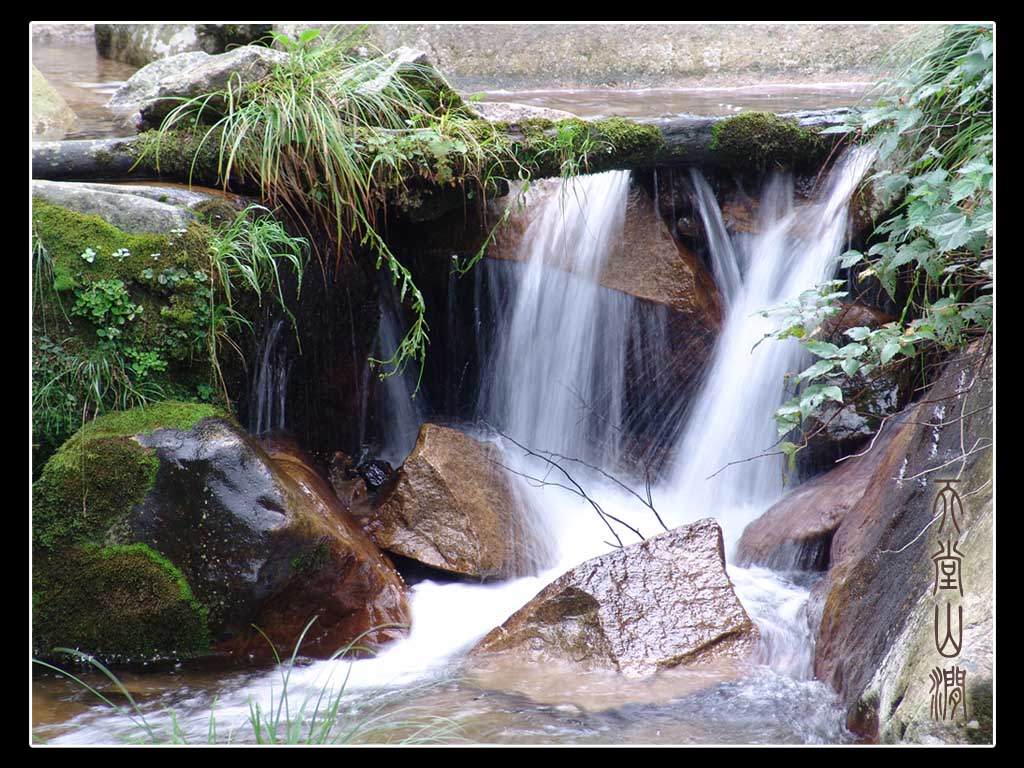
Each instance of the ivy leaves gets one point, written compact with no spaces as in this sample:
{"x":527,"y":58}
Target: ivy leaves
{"x":932,"y":131}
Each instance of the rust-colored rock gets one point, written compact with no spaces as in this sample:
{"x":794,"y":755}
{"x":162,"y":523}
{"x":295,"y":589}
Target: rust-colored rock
{"x":664,"y":602}
{"x":454,"y":508}
{"x":796,"y":532}
{"x":867,"y":612}
{"x":852,"y":315}
{"x":342,"y":578}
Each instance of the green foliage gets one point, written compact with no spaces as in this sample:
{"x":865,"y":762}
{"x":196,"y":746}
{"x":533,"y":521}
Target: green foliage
{"x":151,"y":314}
{"x":108,"y":305}
{"x":932,"y":131}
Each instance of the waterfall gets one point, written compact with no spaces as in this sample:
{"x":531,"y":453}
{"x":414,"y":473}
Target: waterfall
{"x":724,"y":263}
{"x":794,"y":249}
{"x":555,"y":381}
{"x":269,"y":390}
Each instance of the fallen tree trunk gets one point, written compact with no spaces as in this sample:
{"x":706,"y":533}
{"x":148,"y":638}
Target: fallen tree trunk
{"x":750,"y":141}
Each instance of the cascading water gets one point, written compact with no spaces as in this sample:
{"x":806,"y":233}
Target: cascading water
{"x":269,"y":392}
{"x":399,"y":415}
{"x":554,"y":382}
{"x":732,"y":417}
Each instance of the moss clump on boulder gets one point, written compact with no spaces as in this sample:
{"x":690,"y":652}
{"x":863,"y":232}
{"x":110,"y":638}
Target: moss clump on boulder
{"x":633,"y":143}
{"x":120,"y":603}
{"x":85,"y":342}
{"x":92,"y":588}
{"x":762,"y":140}
{"x":181,"y":153}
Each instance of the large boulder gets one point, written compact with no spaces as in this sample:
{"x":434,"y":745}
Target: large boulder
{"x":453,"y":508}
{"x":664,"y":602}
{"x":129,"y":212}
{"x":872,"y":613}
{"x":51,"y":115}
{"x":168,"y":532}
{"x":874,"y":600}
{"x":796,"y":532}
{"x":240,"y":67}
{"x":142,"y":208}
{"x":144,"y":84}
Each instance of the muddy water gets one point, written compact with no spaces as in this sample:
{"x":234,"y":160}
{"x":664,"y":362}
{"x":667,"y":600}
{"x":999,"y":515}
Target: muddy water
{"x":86,"y":81}
{"x":666,"y":102}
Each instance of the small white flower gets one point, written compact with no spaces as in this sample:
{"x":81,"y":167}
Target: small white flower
{"x":89,"y":255}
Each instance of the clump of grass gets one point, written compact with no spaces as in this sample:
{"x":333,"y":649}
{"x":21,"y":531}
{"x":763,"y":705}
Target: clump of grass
{"x":249,"y":252}
{"x":319,"y":718}
{"x":333,"y":137}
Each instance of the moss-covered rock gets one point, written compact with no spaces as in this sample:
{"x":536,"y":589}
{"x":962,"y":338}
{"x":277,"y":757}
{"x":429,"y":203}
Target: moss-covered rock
{"x":93,"y":588}
{"x":167,"y":532}
{"x":51,"y":115}
{"x":762,"y":140}
{"x":117,"y":317}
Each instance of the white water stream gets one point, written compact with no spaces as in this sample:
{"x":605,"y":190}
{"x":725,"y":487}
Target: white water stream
{"x":555,"y":381}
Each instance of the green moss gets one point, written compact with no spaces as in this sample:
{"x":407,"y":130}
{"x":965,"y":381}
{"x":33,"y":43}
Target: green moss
{"x":632,"y":142}
{"x":761,"y":140}
{"x":217,"y":212}
{"x":98,"y":476}
{"x":180,"y":153}
{"x":313,"y":560}
{"x":159,"y":273}
{"x":119,"y":603}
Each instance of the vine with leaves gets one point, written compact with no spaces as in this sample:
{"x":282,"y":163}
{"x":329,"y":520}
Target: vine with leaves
{"x":931,"y":127}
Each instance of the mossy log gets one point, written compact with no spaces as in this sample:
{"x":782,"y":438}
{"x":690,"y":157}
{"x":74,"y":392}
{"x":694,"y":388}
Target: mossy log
{"x":750,"y":141}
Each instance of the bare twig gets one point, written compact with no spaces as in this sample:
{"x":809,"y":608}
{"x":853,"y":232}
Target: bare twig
{"x":576,"y":487}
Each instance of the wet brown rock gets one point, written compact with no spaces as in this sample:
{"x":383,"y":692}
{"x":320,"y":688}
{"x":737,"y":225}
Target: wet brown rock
{"x":342,"y":579}
{"x":852,"y":315}
{"x":874,"y":645}
{"x":796,"y":532}
{"x":661,"y":603}
{"x":453,"y":508}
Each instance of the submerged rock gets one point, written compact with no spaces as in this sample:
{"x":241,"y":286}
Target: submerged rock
{"x":453,"y":508}
{"x":190,"y":533}
{"x":51,"y":116}
{"x":661,"y":603}
{"x":508,"y":112}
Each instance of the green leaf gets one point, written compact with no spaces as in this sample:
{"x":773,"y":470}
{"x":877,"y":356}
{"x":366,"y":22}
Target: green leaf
{"x":833,"y":393}
{"x":821,"y":348}
{"x":849,"y":258}
{"x":889,"y":351}
{"x":850,"y":366}
{"x":859,"y":333}
{"x":820,"y":368}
